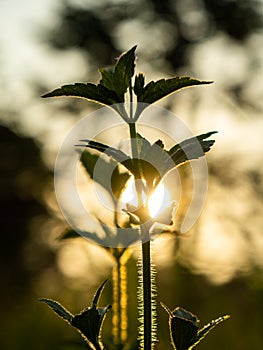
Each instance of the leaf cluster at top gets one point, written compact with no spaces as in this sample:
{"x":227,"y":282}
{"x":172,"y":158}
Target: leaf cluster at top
{"x":117,"y":81}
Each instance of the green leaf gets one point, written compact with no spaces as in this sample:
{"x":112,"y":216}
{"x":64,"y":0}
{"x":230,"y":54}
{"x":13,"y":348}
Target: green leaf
{"x":96,"y":93}
{"x":118,"y":179}
{"x":184,"y":328}
{"x":192,"y":148}
{"x":116,"y":154}
{"x":156,"y":90}
{"x":110,"y":91}
{"x":58,"y":309}
{"x":118,"y":79}
{"x":139,"y":84}
{"x":88,"y":322}
{"x":153,"y":161}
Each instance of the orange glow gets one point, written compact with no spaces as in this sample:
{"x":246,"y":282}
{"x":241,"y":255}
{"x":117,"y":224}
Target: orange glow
{"x":158,"y":201}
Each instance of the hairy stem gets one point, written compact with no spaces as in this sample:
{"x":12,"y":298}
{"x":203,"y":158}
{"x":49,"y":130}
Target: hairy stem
{"x":147,"y":293}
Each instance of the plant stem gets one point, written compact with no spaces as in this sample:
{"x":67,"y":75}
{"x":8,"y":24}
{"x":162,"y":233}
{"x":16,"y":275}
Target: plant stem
{"x":146,"y":247}
{"x":147,"y":293}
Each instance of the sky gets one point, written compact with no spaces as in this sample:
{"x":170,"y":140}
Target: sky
{"x":24,"y":58}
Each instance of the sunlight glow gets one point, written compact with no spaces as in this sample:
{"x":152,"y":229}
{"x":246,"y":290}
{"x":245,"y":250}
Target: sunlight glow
{"x":158,"y":201}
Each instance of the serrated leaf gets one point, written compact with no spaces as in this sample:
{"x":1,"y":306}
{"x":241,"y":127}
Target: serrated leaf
{"x":58,"y":309}
{"x":97,"y":93}
{"x":190,"y":149}
{"x":124,"y":69}
{"x":118,"y":79}
{"x":118,"y":155}
{"x":156,"y":90}
{"x":139,"y":84}
{"x":107,"y":78}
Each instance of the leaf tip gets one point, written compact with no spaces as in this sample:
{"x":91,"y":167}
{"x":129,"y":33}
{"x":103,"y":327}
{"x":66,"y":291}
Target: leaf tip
{"x":166,"y":308}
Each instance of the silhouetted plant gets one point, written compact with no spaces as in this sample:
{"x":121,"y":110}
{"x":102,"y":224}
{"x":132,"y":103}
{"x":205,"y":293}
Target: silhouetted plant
{"x":148,"y":164}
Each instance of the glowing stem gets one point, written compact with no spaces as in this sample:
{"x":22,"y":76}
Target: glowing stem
{"x":147,"y":294}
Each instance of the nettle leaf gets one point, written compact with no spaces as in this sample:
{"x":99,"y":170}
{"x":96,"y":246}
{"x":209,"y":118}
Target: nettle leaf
{"x":155,"y":161}
{"x":190,"y":149}
{"x":97,"y":93}
{"x":58,"y":309}
{"x":106,"y":168}
{"x":184,"y":328}
{"x":139,"y":84}
{"x":206,"y":329}
{"x":116,"y":154}
{"x":110,"y":91}
{"x":156,"y":90}
{"x":88,"y":322}
{"x":118,"y":79}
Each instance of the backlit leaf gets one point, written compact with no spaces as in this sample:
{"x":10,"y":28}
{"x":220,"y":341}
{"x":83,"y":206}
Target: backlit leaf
{"x":139,"y":84}
{"x":192,"y":148}
{"x":88,"y":322}
{"x":118,"y":79}
{"x":58,"y":309}
{"x":156,"y":90}
{"x":97,"y":93}
{"x":206,"y":329}
{"x":184,"y":328}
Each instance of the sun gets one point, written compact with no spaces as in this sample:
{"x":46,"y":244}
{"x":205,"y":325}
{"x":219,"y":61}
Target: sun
{"x":157,"y":203}
{"x":159,"y":200}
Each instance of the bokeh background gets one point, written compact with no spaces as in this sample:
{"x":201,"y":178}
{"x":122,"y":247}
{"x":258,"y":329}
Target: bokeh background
{"x":218,"y":268}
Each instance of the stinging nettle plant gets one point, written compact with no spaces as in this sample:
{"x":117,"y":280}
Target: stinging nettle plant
{"x":148,"y":164}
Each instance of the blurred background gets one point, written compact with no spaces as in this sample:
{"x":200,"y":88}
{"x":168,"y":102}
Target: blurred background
{"x":218,"y":267}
